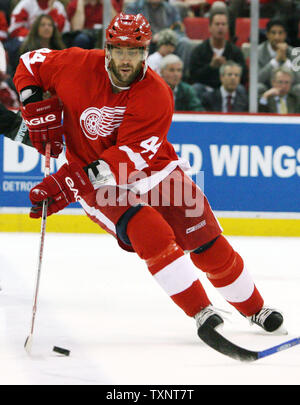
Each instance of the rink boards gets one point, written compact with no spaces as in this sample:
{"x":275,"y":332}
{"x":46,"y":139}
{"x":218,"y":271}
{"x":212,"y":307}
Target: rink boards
{"x":248,"y":166}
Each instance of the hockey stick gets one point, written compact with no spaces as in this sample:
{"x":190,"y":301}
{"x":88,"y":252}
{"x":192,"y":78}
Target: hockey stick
{"x":28,"y":342}
{"x":216,"y":341}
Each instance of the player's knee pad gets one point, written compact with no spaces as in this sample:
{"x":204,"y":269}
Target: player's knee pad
{"x":149,"y":233}
{"x":121,"y":227}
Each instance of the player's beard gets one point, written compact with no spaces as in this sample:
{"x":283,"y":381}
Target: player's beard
{"x":123,"y":79}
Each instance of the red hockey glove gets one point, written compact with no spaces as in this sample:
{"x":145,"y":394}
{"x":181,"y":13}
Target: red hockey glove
{"x":43,"y":120}
{"x":68,"y":185}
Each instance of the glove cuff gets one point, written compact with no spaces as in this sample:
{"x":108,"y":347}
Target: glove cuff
{"x":42,"y":107}
{"x":78,"y":181}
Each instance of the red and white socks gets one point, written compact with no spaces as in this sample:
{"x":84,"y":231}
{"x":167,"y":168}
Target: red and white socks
{"x":226,"y":271}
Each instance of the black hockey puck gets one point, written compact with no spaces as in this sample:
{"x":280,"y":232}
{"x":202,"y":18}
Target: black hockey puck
{"x":60,"y":350}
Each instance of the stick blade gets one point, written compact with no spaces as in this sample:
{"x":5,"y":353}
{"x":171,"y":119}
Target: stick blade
{"x":218,"y":342}
{"x":28,"y":344}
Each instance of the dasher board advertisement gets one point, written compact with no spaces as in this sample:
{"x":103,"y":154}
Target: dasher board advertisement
{"x":246,"y":162}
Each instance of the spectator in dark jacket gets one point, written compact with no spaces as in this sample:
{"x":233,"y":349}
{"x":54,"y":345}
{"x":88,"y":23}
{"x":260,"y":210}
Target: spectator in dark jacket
{"x":207,"y":57}
{"x":171,"y":68}
{"x":230,"y":96}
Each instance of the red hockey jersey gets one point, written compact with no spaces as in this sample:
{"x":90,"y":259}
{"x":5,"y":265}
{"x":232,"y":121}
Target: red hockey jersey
{"x":129,"y":127}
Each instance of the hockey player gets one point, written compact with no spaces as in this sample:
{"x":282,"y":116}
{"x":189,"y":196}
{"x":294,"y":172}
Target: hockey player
{"x":116,"y":116}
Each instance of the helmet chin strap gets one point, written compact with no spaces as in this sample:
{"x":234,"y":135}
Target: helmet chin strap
{"x":107,"y":68}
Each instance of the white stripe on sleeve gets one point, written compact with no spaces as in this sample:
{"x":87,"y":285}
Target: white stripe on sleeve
{"x":26,"y":61}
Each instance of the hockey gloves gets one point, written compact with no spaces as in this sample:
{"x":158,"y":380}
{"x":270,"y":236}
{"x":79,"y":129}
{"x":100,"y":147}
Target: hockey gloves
{"x":68,"y":185}
{"x":43,"y":120}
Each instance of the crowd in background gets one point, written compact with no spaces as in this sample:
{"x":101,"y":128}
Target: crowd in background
{"x":209,"y":73}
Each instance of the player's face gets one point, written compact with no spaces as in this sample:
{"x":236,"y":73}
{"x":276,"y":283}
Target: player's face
{"x":126,"y":64}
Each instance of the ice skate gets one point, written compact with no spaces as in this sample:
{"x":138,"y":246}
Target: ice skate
{"x":267,"y":318}
{"x":208,"y":316}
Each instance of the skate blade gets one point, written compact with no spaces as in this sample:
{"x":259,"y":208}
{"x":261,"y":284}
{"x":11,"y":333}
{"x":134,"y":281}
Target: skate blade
{"x":280,"y":331}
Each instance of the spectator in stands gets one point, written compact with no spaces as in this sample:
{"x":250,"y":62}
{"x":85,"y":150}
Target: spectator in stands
{"x":161,"y":15}
{"x":273,"y":53}
{"x":166,"y":45}
{"x":86,"y":17}
{"x":229,"y":97}
{"x":279,"y":98}
{"x":211,"y":54}
{"x":23,"y":16}
{"x":171,"y":69}
{"x":43,"y":34}
{"x":26,"y":11}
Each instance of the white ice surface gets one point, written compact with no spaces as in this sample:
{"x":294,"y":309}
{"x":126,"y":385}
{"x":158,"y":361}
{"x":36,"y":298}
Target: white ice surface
{"x":102,"y":304}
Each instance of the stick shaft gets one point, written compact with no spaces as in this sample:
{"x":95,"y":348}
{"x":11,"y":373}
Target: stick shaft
{"x":41,"y":249}
{"x":279,"y":348}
